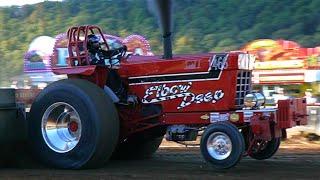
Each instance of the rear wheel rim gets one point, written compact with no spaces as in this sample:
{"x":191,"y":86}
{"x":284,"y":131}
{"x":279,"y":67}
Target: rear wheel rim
{"x":219,"y":145}
{"x":61,"y":127}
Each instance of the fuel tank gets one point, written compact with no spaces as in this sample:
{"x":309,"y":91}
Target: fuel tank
{"x":185,"y":83}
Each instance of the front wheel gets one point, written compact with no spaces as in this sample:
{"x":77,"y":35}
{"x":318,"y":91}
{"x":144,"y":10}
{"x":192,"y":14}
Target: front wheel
{"x":265,"y":149}
{"x":222,"y":145}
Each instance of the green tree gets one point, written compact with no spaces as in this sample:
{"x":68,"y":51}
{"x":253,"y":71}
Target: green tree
{"x":199,"y":25}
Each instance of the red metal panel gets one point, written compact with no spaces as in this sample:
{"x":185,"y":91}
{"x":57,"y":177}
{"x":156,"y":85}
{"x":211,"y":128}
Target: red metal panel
{"x":187,"y":118}
{"x":301,"y":111}
{"x":277,"y":131}
{"x":226,"y":85}
{"x":84,"y":70}
{"x":98,"y":75}
{"x":155,"y":65}
{"x":200,"y":118}
{"x":284,"y":114}
{"x":261,"y":128}
{"x":197,"y":89}
{"x":292,"y":112}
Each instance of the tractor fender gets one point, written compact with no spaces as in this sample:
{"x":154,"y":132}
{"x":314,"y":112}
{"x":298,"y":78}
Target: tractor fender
{"x":111,"y":94}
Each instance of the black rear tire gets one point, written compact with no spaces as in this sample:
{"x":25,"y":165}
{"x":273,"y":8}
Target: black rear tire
{"x":99,"y":123}
{"x":227,"y":132}
{"x":268,"y":151}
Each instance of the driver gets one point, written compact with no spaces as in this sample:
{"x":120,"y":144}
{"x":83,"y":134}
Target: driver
{"x":114,"y":81}
{"x":94,"y":49}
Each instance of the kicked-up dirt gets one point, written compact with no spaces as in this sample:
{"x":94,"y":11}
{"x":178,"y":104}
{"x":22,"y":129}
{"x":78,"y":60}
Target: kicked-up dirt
{"x":296,"y":159}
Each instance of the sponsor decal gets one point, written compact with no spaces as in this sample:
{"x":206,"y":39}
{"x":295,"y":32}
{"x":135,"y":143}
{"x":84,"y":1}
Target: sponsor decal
{"x":247,"y":116}
{"x":163,"y":92}
{"x":217,"y":117}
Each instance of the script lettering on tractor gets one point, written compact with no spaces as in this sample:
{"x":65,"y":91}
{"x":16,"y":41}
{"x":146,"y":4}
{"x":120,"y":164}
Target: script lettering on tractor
{"x":163,"y":92}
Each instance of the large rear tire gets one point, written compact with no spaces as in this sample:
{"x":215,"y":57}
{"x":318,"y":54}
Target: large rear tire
{"x":73,"y":125}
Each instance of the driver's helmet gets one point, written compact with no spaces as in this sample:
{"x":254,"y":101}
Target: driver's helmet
{"x":93,"y":41}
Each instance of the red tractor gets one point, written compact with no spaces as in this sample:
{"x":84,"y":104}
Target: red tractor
{"x":114,"y":105}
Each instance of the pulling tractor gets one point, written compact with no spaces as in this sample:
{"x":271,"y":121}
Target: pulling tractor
{"x":122,"y":106}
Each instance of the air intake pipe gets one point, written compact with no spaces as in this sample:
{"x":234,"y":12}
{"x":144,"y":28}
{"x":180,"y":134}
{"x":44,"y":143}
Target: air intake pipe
{"x":164,"y":14}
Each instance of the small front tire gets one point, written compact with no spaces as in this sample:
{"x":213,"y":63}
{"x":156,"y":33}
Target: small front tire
{"x":268,"y":149}
{"x":222,"y":145}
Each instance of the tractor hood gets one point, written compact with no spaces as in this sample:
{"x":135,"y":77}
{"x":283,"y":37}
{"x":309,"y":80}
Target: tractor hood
{"x":185,"y":82}
{"x":137,"y":66}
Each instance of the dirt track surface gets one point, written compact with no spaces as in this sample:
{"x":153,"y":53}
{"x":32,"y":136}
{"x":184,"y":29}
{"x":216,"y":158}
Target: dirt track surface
{"x":295,"y":160}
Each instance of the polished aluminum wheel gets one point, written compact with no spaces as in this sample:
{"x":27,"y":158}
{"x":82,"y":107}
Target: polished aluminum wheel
{"x":219,"y":145}
{"x":61,"y":127}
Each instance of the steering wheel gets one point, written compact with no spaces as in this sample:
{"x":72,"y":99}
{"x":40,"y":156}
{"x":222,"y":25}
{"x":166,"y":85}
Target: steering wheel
{"x":109,"y":54}
{"x":114,"y":55}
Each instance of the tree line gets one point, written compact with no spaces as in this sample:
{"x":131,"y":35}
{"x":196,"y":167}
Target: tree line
{"x":199,"y":25}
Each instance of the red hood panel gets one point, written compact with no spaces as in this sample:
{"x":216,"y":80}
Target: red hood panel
{"x":184,"y":83}
{"x":154,"y":65}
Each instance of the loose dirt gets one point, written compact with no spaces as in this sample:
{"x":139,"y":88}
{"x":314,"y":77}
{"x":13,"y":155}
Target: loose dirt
{"x":296,"y":159}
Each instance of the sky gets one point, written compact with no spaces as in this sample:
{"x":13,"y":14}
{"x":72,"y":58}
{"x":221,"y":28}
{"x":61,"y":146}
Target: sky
{"x":20,"y":2}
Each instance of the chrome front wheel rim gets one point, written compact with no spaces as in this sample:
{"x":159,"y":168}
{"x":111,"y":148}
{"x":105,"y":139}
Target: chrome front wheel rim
{"x":219,"y":145}
{"x":61,"y":127}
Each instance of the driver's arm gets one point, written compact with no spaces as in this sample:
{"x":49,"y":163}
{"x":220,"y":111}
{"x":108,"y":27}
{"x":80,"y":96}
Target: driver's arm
{"x":104,"y":47}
